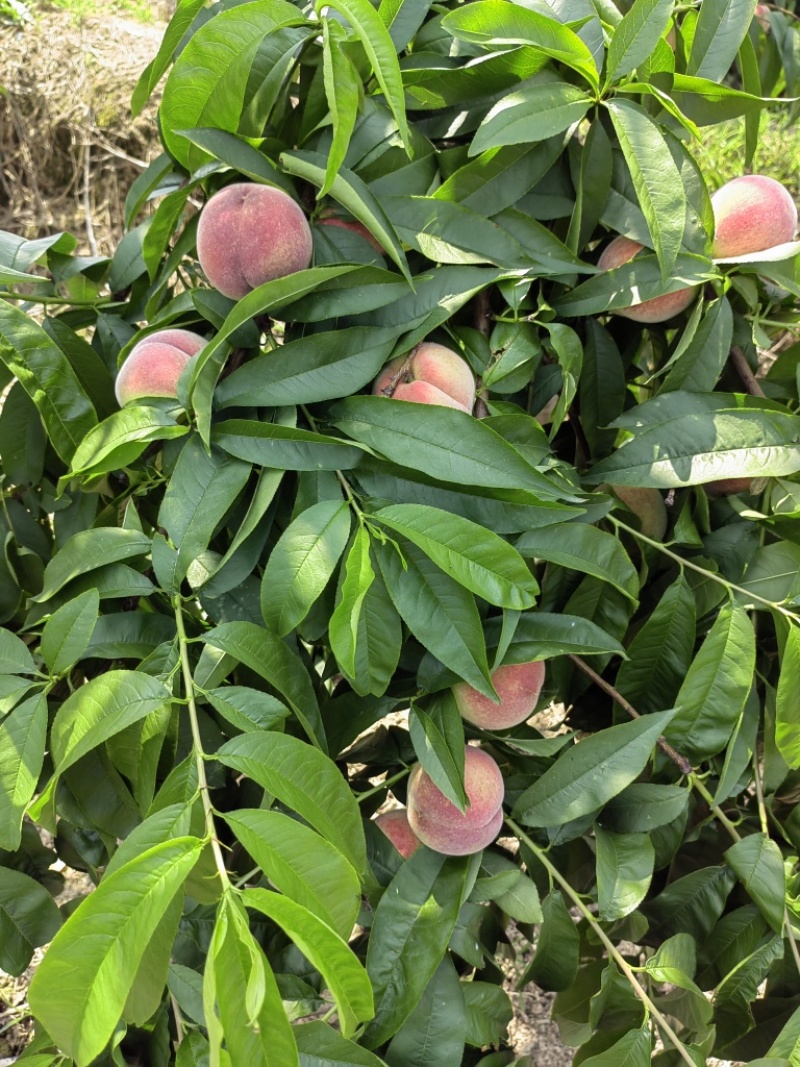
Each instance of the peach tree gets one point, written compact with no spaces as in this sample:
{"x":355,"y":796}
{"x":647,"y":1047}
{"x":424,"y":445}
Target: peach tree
{"x":399,"y":584}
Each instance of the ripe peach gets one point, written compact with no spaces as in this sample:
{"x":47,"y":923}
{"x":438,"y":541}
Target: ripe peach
{"x":648,"y":505}
{"x":353,"y":226}
{"x":517,"y":684}
{"x":440,"y":825}
{"x":433,"y":375}
{"x":660,"y":308}
{"x":728,"y":486}
{"x":751,"y":213}
{"x":395,"y":825}
{"x":250,"y":234}
{"x":154,"y":364}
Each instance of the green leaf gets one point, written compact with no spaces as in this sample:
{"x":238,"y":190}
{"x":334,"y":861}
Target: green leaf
{"x":555,"y":962}
{"x":211,"y":81}
{"x":758,"y":864}
{"x":321,"y":366}
{"x":186,"y":986}
{"x":433,"y":1034}
{"x":583,"y":548}
{"x":302,"y":562}
{"x":306,"y":781}
{"x":691,"y":904}
{"x":721,"y":28}
{"x":28,"y":918}
{"x":787,"y":712}
{"x":494,"y":23}
{"x":633,"y":1049}
{"x":588,"y":775}
{"x":121,"y":438}
{"x":542,"y":635}
{"x":100,"y":709}
{"x":354,"y":195}
{"x":380,"y":50}
{"x":624,"y":869}
{"x":643,"y":807}
{"x":344,"y":623}
{"x":443,"y":443}
{"x":151,"y":75}
{"x":22,"y":747}
{"x":632,"y":284}
{"x":475,"y":556}
{"x":321,"y":1046}
{"x":685,"y":449}
{"x":411,"y":929}
{"x":660,"y":653}
{"x":439,"y":612}
{"x":342,"y":87}
{"x":489,"y":1011}
{"x":86,"y":551}
{"x":656,"y":179}
{"x":533,"y":113}
{"x":636,"y":36}
{"x":277,"y":664}
{"x":715,"y":688}
{"x":301,"y":864}
{"x":704,"y":358}
{"x":284,"y":447}
{"x":333,"y":958}
{"x":251,"y":1014}
{"x":67,"y":632}
{"x":14,"y":655}
{"x":46,"y":375}
{"x":80,"y":988}
{"x":202,"y":488}
{"x":437,"y":734}
{"x":246,"y":708}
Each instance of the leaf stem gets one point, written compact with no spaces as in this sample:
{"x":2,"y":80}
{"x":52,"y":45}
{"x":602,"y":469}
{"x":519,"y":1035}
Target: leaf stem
{"x":199,"y":754}
{"x":731,"y":586}
{"x":385,"y":784}
{"x":348,"y":489}
{"x":610,"y":947}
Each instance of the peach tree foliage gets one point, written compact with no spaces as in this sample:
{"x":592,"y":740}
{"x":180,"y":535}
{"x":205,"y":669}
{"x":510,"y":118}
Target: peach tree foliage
{"x":209,"y":604}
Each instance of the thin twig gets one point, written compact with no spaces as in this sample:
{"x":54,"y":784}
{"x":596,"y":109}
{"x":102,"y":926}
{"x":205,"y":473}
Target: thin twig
{"x":742,"y":368}
{"x":681,"y":762}
{"x":87,"y":204}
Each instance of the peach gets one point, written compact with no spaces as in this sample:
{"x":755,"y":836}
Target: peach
{"x":433,"y":375}
{"x":660,"y":308}
{"x":751,"y":213}
{"x":395,"y":825}
{"x":728,"y":486}
{"x":440,"y":825}
{"x":155,"y":363}
{"x":517,"y":684}
{"x":353,"y":226}
{"x":649,"y":507}
{"x":250,"y":234}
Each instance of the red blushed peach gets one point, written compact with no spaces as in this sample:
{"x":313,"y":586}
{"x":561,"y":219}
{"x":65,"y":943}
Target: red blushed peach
{"x":648,"y":505}
{"x":660,"y":308}
{"x":154,"y":364}
{"x":250,"y":234}
{"x":517,"y":684}
{"x":395,"y":825}
{"x":433,"y":375}
{"x":440,"y":825}
{"x":751,"y":213}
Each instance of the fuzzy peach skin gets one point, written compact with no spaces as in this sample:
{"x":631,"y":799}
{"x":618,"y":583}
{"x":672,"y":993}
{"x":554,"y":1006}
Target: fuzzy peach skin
{"x":517,"y":684}
{"x":728,"y":486}
{"x":660,"y":308}
{"x":648,"y":505}
{"x":154,"y":364}
{"x":440,"y":825}
{"x":751,"y":213}
{"x":250,"y":234}
{"x":435,"y":375}
{"x":395,"y":825}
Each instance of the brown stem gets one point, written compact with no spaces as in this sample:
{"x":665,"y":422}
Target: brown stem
{"x":395,"y":379}
{"x":482,"y":317}
{"x":681,"y":762}
{"x":742,"y":368}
